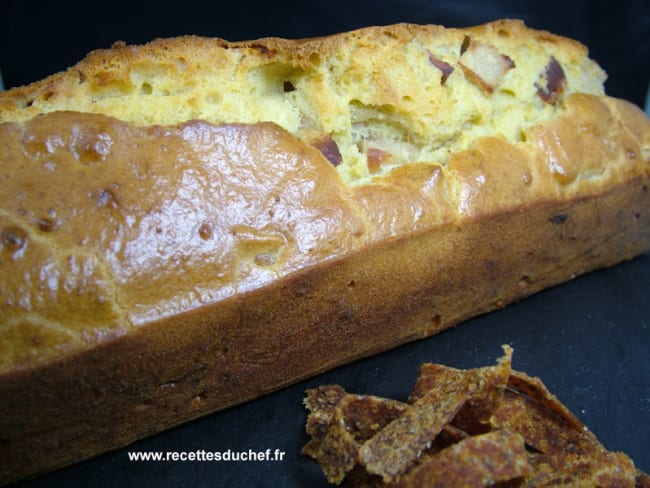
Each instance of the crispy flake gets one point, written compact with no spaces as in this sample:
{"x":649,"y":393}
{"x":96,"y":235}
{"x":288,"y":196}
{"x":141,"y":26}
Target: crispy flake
{"x":474,"y":462}
{"x":600,"y":469}
{"x":475,"y":415}
{"x":642,"y":480}
{"x":321,"y":402}
{"x":546,"y":425}
{"x":490,"y":426}
{"x":534,"y":389}
{"x":337,"y":450}
{"x":566,"y":452}
{"x":394,"y":448}
{"x":348,"y":420}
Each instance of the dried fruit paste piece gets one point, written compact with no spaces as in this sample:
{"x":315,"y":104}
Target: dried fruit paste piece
{"x":566,"y":452}
{"x":546,"y":424}
{"x":350,"y":420}
{"x":474,"y":416}
{"x":394,"y":448}
{"x":321,"y":402}
{"x":477,"y":461}
{"x":489,"y":426}
{"x":597,"y":469}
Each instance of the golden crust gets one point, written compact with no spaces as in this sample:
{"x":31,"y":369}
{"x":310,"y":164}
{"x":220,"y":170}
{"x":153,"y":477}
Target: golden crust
{"x":161,"y":271}
{"x":189,"y":56}
{"x":408,"y":90}
{"x":129,"y":225}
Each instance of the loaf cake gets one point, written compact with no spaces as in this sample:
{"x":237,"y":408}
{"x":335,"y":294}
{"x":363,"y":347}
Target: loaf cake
{"x":190,"y":223}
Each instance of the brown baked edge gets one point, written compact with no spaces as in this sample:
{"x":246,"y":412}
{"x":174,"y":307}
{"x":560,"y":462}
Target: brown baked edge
{"x":396,"y":291}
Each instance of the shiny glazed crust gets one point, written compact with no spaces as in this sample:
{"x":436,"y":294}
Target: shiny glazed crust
{"x":157,"y":270}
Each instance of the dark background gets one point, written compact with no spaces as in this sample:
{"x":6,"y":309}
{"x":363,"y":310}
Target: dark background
{"x":588,"y":340}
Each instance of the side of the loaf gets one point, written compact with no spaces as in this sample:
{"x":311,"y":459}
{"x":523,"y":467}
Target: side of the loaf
{"x":183,"y":367}
{"x":108,"y":226}
{"x":416,"y":274}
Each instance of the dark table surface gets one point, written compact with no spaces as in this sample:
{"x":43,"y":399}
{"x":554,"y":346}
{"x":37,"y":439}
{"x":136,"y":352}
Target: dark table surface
{"x":588,"y":340}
